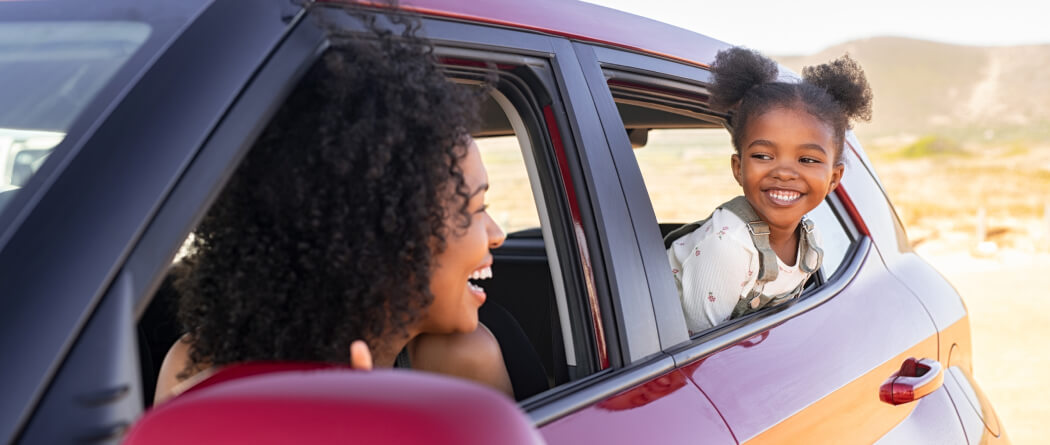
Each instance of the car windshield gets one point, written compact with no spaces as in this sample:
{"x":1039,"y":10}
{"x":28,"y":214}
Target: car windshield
{"x":49,"y":72}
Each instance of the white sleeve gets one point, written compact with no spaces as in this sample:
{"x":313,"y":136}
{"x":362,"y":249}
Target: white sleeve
{"x":714,"y":276}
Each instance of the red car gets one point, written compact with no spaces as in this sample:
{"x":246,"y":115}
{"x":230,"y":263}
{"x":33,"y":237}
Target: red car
{"x":122,"y":117}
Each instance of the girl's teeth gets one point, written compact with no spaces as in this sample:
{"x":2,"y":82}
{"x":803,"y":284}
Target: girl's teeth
{"x":784,"y":196}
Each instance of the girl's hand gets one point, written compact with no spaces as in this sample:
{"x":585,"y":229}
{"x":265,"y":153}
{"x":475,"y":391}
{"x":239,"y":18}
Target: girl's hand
{"x":360,"y":356}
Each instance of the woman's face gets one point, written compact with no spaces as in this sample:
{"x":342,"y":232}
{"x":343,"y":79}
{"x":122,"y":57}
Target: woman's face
{"x":466,"y":256}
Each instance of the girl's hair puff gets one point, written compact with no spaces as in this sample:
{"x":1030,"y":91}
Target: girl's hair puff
{"x":746,"y":85}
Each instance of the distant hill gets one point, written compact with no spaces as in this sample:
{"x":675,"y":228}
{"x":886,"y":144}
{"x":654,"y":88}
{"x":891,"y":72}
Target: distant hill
{"x":970,"y":93}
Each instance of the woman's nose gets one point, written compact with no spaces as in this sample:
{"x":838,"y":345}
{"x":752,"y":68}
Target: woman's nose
{"x":496,"y":235}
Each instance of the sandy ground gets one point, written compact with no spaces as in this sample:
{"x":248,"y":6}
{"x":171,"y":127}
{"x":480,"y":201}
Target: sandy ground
{"x":1007,"y":297}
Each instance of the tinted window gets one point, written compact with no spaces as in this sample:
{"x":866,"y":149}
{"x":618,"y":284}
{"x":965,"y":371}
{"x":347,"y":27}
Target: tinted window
{"x":49,"y":72}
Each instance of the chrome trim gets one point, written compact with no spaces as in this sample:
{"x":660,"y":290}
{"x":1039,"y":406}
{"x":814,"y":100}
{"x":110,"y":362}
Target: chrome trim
{"x":545,"y":407}
{"x":747,"y":327}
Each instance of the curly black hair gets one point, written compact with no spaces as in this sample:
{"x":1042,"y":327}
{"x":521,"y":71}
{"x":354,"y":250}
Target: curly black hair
{"x":326,"y":231}
{"x":745,"y":83}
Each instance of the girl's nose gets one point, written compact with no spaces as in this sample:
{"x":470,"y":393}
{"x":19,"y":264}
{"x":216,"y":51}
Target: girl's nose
{"x":495,"y":233}
{"x":785,"y":171}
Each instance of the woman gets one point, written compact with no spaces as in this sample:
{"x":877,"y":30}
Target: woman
{"x":359,"y":213}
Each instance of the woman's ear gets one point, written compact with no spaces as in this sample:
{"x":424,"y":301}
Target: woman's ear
{"x":735,"y":161}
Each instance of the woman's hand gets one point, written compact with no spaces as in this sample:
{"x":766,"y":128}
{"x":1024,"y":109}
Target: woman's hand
{"x":360,"y":356}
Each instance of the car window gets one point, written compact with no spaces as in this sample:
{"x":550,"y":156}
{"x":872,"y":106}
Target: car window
{"x":835,"y":237}
{"x":50,"y":71}
{"x":533,"y":304}
{"x":683,"y":150}
{"x":508,"y":183}
{"x":532,"y":272}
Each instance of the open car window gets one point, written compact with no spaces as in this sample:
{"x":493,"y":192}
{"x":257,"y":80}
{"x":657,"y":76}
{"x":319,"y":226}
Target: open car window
{"x":535,"y":305}
{"x":683,"y":149}
{"x":536,"y":308}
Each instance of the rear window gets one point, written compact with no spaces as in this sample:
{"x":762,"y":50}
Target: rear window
{"x":49,"y":72}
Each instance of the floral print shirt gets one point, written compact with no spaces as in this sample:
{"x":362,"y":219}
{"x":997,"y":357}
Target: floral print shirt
{"x":716,"y":265}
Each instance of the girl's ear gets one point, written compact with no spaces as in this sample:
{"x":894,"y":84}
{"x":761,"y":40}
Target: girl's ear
{"x":736,"y":169}
{"x":836,"y":176}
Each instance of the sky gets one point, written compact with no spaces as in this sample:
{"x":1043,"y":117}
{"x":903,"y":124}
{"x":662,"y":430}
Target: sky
{"x":800,"y":27}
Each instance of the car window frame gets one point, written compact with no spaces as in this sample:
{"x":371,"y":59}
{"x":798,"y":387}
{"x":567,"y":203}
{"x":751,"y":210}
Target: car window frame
{"x":570,"y":134}
{"x":613,"y":259}
{"x":92,"y":213}
{"x":524,"y":88}
{"x":670,"y":75}
{"x":202,"y":180}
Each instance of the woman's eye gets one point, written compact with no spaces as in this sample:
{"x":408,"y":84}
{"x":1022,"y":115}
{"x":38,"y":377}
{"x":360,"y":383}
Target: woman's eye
{"x":483,"y":209}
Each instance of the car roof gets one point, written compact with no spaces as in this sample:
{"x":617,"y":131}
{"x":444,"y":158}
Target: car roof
{"x":582,"y":21}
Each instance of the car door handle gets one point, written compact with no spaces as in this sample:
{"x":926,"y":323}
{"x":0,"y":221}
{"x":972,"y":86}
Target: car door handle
{"x":916,"y":379}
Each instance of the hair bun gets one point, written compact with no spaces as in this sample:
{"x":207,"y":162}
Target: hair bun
{"x":844,"y":80}
{"x":736,"y":70}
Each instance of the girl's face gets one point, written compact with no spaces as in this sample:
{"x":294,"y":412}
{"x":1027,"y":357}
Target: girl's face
{"x":787,"y":165}
{"x":466,"y":255}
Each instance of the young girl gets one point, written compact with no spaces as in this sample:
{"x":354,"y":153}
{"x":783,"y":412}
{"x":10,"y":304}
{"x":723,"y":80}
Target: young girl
{"x":758,"y":250}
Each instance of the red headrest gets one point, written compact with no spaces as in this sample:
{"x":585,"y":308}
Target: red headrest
{"x":281,"y":403}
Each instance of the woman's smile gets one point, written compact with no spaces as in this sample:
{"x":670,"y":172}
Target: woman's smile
{"x":482,"y":273}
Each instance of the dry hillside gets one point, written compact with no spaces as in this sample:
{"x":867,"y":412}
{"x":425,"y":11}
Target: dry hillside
{"x":973,"y":94}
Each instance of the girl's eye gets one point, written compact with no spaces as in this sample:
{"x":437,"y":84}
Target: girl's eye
{"x":810,"y":161}
{"x":483,"y":209}
{"x":762,"y":156}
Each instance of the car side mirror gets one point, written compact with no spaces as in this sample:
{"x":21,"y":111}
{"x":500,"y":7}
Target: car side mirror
{"x":280,"y":403}
{"x":638,"y":137}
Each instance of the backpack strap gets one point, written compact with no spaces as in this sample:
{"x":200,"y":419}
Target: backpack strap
{"x":756,"y":300}
{"x":810,"y":255}
{"x":759,"y":230}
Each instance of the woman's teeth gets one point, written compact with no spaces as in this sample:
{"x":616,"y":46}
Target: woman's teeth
{"x":482,"y":274}
{"x":784,"y":195}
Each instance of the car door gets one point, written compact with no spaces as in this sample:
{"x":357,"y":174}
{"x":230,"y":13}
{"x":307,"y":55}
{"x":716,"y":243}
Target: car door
{"x":630,"y":392}
{"x":807,"y":373}
{"x":67,"y":306}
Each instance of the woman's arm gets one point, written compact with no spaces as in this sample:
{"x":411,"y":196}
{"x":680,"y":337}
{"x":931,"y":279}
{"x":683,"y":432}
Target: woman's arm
{"x":475,"y":356}
{"x":175,"y":361}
